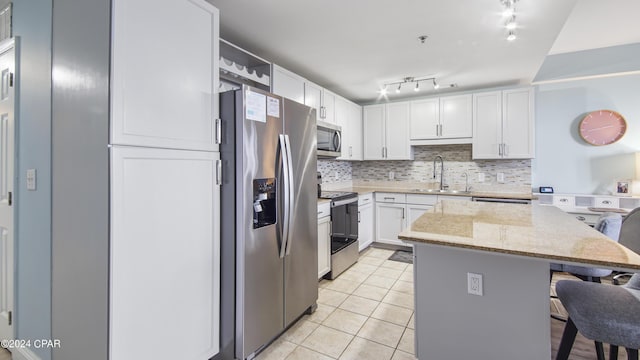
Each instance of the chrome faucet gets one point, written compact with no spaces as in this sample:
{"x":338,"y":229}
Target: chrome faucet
{"x":441,"y":170}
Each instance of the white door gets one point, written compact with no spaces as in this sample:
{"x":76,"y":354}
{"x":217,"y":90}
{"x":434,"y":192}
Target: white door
{"x":165,"y":77}
{"x":355,"y":131}
{"x":313,"y":98}
{"x":365,"y":226}
{"x":374,"y":137}
{"x":324,"y":246}
{"x":425,"y":119}
{"x":164,"y":254}
{"x":487,"y":125}
{"x":397,"y":130}
{"x":414,"y":211}
{"x":390,"y":221}
{"x":287,"y":84}
{"x":518,"y":123}
{"x":456,"y":116}
{"x":7,"y":174}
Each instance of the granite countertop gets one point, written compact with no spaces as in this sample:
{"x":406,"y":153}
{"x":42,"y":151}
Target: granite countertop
{"x":322,"y":201}
{"x":526,"y":230}
{"x":361,"y":190}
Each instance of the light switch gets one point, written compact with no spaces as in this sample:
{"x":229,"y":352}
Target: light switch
{"x":31,"y":179}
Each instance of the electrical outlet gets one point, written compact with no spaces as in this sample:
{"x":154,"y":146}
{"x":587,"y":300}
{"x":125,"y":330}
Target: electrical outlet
{"x":335,"y":175}
{"x":500,"y":178}
{"x":392,"y":175}
{"x":474,"y":284}
{"x":31,"y":179}
{"x":480,"y":177}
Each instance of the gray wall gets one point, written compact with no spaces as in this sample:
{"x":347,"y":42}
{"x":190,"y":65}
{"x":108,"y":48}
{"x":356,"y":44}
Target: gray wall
{"x":80,"y":162}
{"x":32,"y":23}
{"x":563,"y":160}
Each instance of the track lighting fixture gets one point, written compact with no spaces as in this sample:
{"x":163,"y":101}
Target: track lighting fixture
{"x":411,"y":80}
{"x":509,"y":12}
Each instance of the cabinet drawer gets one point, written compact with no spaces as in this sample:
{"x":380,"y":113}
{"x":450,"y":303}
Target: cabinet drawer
{"x":365,"y":199}
{"x":324,"y":209}
{"x":606,"y":203}
{"x":422,"y":199}
{"x":563,"y":201}
{"x":391,"y":198}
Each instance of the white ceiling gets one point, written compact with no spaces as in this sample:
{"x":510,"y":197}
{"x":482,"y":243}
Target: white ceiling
{"x":352,"y":47}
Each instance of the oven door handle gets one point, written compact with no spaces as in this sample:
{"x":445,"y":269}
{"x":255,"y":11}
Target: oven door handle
{"x":343,"y":202}
{"x":291,"y":187}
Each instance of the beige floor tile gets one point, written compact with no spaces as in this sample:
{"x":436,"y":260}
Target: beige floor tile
{"x":395,"y":265}
{"x":412,"y":324}
{"x":394,"y":314}
{"x":407,"y":276}
{"x":409,"y":267}
{"x":278,"y":350}
{"x":389,"y":273}
{"x":353,"y":276}
{"x":330,"y":297}
{"x":369,"y":260}
{"x":401,"y":355}
{"x":343,"y":285}
{"x":302,"y":353}
{"x":360,"y":349}
{"x":321,"y":313}
{"x":323,"y":283}
{"x":364,"y":268}
{"x":406,"y":342}
{"x":399,"y":299}
{"x":328,"y":341}
{"x":403,"y":286}
{"x":359,"y":305}
{"x":380,"y":253}
{"x":345,"y":321}
{"x":299,"y":331}
{"x":371,"y":292}
{"x":381,"y":332}
{"x":380,"y":281}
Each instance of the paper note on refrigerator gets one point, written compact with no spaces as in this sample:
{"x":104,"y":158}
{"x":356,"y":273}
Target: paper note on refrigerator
{"x":256,"y":106}
{"x":273,"y":107}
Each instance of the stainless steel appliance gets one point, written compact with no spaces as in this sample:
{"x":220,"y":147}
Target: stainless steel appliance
{"x":269,"y":221}
{"x":344,"y":230}
{"x":329,"y":140}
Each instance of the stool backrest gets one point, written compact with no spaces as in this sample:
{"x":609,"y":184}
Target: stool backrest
{"x":630,"y":231}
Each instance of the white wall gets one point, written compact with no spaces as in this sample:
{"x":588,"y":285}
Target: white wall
{"x":563,"y":160}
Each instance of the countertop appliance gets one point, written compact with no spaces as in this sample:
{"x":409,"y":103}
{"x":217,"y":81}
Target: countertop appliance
{"x":344,"y":230}
{"x":329,"y":140}
{"x":269,"y":218}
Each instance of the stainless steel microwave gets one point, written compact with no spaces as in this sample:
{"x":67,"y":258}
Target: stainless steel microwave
{"x":329,"y":140}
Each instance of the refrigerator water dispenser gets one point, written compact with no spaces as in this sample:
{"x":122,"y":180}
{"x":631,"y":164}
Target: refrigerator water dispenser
{"x":264,"y":202}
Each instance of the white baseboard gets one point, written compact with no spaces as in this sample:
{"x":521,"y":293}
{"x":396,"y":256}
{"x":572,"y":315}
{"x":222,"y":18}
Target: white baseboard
{"x":24,"y":354}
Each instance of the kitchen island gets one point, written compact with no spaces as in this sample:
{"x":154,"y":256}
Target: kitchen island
{"x":511,"y":247}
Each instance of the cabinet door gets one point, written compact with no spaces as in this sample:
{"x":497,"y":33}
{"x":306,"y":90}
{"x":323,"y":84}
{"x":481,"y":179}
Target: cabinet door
{"x":324,"y":246}
{"x":164,"y":97}
{"x":397,"y":132}
{"x":287,"y":84}
{"x":164,"y":254}
{"x":374,"y":137}
{"x":425,"y":119}
{"x":487,"y":125}
{"x":313,"y":98}
{"x":414,"y":211}
{"x":365,"y":226}
{"x":390,"y":221}
{"x":355,"y":132}
{"x":343,"y":119}
{"x":518,"y":126}
{"x":456,"y":117}
{"x":329,"y":106}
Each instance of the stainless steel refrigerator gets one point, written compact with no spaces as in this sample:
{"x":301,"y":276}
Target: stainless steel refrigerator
{"x":269,"y":218}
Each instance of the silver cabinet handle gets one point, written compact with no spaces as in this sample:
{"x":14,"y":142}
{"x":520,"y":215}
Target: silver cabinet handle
{"x":382,"y":151}
{"x":218,"y":136}
{"x":403,"y":213}
{"x":390,"y":198}
{"x":437,"y":130}
{"x":504,"y":149}
{"x":499,"y":149}
{"x":606,"y":202}
{"x":581,"y":218}
{"x":350,"y":151}
{"x":358,"y":217}
{"x":386,"y":155}
{"x":564,"y":200}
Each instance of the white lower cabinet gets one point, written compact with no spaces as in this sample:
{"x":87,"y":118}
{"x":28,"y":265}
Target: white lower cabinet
{"x":365,"y":221}
{"x":324,"y":239}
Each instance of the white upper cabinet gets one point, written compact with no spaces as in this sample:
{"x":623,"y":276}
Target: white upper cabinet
{"x":348,"y":116}
{"x":504,"y":124}
{"x":328,"y":106}
{"x":287,"y":84}
{"x":386,"y":132}
{"x":313,"y":97}
{"x":165,"y":96}
{"x":445,"y":120}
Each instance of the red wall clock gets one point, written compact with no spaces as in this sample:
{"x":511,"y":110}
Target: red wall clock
{"x":602,"y":127}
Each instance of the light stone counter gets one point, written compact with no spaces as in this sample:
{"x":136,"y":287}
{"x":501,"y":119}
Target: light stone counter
{"x":429,"y":191}
{"x":510,"y":247}
{"x":528,"y":230}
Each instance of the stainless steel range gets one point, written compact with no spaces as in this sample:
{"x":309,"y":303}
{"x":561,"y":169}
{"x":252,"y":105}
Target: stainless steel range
{"x":344,"y":230}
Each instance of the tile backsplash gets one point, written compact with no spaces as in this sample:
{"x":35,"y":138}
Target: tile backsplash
{"x":457,"y":161}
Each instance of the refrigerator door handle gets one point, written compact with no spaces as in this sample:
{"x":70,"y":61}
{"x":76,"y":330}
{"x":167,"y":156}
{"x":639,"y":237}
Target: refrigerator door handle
{"x":286,"y":194}
{"x":291,"y":187}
